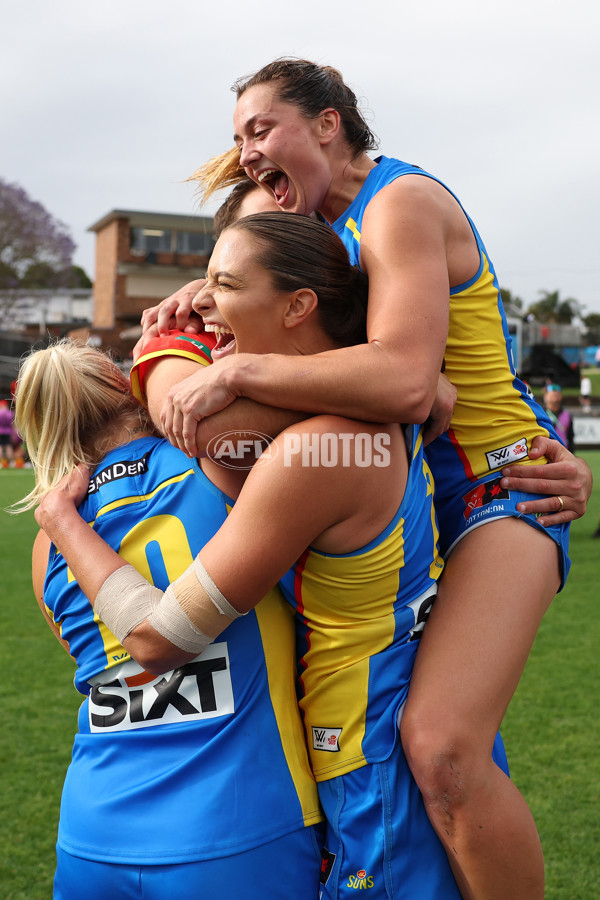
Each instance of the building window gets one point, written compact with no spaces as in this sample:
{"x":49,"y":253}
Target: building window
{"x":193,"y":242}
{"x":150,"y":240}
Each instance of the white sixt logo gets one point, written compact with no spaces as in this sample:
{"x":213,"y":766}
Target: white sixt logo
{"x":126,"y":697}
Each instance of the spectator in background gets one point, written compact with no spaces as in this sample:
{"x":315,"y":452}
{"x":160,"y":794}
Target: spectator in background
{"x":585,"y":395}
{"x":559,"y":415}
{"x":7,"y":434}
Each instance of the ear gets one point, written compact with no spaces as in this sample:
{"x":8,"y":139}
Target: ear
{"x":301,"y":305}
{"x":329,"y":123}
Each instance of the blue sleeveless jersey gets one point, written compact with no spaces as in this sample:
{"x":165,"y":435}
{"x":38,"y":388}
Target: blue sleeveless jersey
{"x":496,"y":417}
{"x":204,"y":761}
{"x":359,"y":620}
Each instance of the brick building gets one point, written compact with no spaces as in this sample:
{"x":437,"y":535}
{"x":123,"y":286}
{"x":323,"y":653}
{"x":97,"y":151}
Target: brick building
{"x":142,"y":257}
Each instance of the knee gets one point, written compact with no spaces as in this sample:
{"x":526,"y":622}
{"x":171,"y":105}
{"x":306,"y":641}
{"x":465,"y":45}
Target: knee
{"x":443,"y":759}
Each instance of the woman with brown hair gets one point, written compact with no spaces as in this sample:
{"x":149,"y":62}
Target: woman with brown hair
{"x":434,"y":305}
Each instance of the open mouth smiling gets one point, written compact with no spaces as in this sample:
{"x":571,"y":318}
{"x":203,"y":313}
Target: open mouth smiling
{"x":276,"y":180}
{"x":225,"y":339}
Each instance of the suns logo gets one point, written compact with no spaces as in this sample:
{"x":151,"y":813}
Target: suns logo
{"x":361,"y":881}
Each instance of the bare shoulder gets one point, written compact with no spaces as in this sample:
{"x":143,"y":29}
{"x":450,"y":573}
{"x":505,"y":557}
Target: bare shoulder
{"x":417,"y":222}
{"x":410,"y":198}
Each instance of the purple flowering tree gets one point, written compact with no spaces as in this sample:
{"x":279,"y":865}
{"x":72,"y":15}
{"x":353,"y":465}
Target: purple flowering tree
{"x":31,"y":241}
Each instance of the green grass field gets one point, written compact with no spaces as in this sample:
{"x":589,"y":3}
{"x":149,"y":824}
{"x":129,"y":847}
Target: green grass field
{"x":551,"y":731}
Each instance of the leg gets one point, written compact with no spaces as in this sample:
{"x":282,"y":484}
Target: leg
{"x":499,"y":582}
{"x":379,"y":838}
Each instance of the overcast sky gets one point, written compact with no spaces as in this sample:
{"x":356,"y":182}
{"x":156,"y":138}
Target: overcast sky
{"x":112,"y":104}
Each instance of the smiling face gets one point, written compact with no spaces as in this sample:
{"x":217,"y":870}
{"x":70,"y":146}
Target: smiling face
{"x":239,"y":301}
{"x":281,"y":149}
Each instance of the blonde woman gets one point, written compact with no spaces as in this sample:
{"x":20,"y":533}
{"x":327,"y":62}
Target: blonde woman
{"x":194,"y":782}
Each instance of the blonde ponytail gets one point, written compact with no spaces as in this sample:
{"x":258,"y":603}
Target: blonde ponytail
{"x":70,"y":398}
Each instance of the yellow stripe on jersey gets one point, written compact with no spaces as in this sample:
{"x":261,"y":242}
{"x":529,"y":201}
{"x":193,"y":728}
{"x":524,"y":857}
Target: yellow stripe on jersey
{"x":125,"y":501}
{"x":276,"y":624}
{"x":434,"y":568}
{"x":353,"y":227}
{"x":436,"y":560}
{"x":351,"y":603}
{"x":418,"y":443}
{"x":476,"y":344}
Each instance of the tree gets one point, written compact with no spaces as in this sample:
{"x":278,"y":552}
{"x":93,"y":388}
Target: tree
{"x":592,"y":323}
{"x":30,"y":236}
{"x":550,"y":308}
{"x":36,"y":249}
{"x":513,"y":305}
{"x":78,"y":278}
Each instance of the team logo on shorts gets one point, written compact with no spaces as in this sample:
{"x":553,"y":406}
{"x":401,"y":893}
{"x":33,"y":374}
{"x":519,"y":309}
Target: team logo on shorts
{"x":361,"y":880}
{"x":326,"y":739}
{"x":505,"y":455}
{"x":484,"y":494}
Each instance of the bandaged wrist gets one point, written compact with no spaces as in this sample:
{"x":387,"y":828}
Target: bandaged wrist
{"x":193,"y":611}
{"x":222,"y":604}
{"x":124,"y":600}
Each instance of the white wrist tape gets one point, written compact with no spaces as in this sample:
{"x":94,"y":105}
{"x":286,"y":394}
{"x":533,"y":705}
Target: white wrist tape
{"x":190,"y":614}
{"x":124,"y":600}
{"x":193,"y":611}
{"x":169,"y":619}
{"x":223,"y":605}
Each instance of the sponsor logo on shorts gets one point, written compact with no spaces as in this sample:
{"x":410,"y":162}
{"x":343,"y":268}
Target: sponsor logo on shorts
{"x":326,"y":739}
{"x":505,"y":455}
{"x":484,"y":494}
{"x":361,"y":881}
{"x":327,"y":864}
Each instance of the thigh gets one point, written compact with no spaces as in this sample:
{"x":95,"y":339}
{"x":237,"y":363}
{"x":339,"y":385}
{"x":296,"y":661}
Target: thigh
{"x":379,"y":837}
{"x":498,"y":582}
{"x":465,"y":509}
